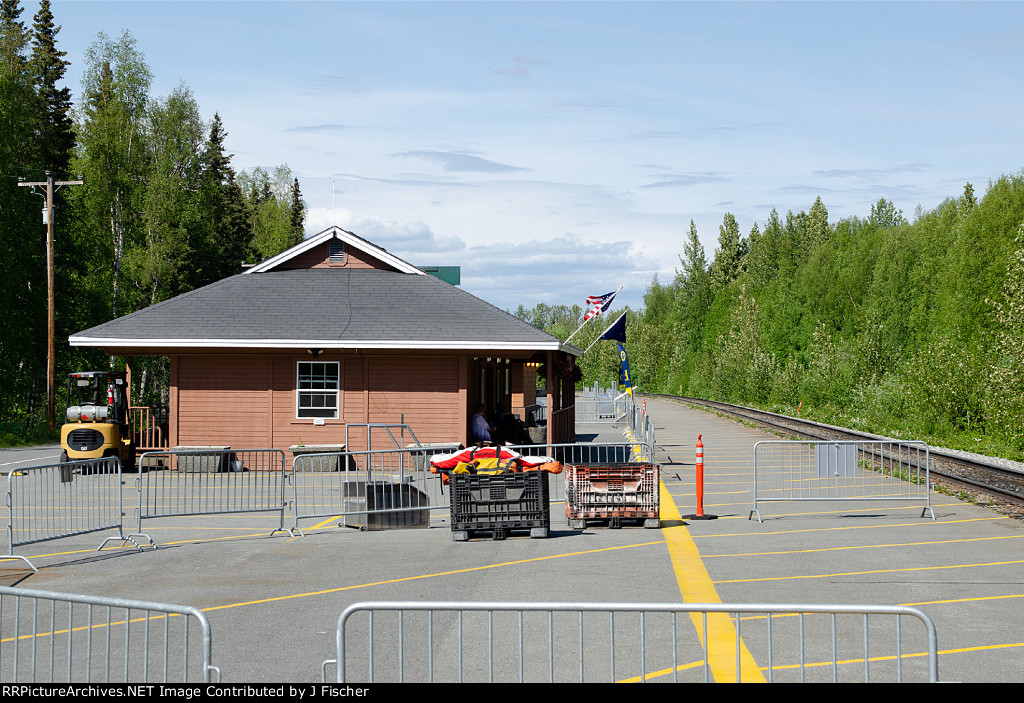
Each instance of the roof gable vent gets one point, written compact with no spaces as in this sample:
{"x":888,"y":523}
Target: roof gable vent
{"x":336,"y":253}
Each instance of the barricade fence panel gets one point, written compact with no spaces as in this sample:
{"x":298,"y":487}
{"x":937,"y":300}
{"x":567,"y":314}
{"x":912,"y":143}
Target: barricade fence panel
{"x":361,"y":488}
{"x":64,"y":638}
{"x":639,"y":428}
{"x":61,"y":500}
{"x":205,"y":482}
{"x":590,"y":453}
{"x":600,"y":409}
{"x":875,"y":470}
{"x":630,"y":642}
{"x":379,"y":435}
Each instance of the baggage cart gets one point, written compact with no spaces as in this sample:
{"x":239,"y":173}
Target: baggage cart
{"x":612,"y":493}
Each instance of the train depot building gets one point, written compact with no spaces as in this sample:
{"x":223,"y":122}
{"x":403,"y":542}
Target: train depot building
{"x":333,"y":331}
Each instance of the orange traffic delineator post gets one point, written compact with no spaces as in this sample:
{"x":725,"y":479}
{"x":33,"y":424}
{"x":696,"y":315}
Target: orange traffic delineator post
{"x":699,"y":515}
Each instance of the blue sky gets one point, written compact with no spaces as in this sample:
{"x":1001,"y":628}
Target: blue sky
{"x":556,"y":150}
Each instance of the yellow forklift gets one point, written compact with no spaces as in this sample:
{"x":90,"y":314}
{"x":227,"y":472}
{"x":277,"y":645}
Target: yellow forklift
{"x":97,"y":418}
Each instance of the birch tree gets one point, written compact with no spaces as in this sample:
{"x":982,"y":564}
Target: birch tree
{"x":112,"y":155}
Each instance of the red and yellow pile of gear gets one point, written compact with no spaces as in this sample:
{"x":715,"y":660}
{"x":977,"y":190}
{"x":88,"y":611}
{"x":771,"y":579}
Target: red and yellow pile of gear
{"x":488,"y":460}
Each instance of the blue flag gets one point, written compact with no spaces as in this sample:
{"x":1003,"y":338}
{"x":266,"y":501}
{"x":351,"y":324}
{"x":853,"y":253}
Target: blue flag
{"x":617,"y":330}
{"x":625,"y":384}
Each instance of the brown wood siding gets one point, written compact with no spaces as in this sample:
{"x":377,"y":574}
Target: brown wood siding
{"x":249,"y":401}
{"x":317,"y":258}
{"x":222,"y":401}
{"x":425,"y":389}
{"x":172,"y":402}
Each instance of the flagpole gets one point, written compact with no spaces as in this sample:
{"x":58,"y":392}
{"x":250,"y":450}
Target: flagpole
{"x":585,"y":321}
{"x":577,"y":330}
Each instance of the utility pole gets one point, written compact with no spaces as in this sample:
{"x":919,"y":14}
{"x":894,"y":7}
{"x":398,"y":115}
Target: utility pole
{"x":50,"y":323}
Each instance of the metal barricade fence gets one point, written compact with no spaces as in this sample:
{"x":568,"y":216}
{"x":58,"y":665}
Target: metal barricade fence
{"x":875,"y":470}
{"x":370,"y":489}
{"x":60,"y":500}
{"x":600,"y":409}
{"x":207,"y":482}
{"x":641,"y":429}
{"x":618,"y":642}
{"x":59,"y":637}
{"x":387,"y":428}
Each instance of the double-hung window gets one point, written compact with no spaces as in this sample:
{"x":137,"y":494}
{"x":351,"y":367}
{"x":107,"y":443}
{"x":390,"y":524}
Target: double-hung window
{"x":317,"y":388}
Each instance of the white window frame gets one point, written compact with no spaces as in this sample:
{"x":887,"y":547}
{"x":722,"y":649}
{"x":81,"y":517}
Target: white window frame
{"x":325,"y":392}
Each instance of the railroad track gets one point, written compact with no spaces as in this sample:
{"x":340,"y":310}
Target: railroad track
{"x":979,"y":480}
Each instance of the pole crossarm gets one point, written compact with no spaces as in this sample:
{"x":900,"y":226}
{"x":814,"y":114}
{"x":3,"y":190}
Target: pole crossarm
{"x":56,"y":183}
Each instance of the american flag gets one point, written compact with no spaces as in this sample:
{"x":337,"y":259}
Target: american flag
{"x":597,"y":304}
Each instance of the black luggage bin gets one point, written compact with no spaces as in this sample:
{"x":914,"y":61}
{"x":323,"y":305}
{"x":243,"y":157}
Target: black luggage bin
{"x":499,"y":504}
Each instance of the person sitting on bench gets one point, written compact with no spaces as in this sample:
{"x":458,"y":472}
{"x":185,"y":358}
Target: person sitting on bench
{"x":480,"y":428}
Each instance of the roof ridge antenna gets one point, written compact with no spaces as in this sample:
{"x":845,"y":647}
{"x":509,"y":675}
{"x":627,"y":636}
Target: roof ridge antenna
{"x":334,"y":209}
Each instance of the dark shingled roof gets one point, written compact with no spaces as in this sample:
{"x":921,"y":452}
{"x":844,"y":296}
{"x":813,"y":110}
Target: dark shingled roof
{"x":334,"y":308}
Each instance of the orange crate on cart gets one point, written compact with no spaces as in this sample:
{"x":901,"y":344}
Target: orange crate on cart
{"x":612,"y":492}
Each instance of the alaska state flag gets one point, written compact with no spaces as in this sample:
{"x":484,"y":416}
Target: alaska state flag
{"x":617,"y":330}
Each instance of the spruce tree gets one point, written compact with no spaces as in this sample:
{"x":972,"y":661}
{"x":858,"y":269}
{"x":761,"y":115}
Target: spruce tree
{"x":298,"y":212}
{"x":224,"y":205}
{"x":55,"y":138}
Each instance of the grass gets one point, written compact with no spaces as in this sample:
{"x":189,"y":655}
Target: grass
{"x":12,"y":435}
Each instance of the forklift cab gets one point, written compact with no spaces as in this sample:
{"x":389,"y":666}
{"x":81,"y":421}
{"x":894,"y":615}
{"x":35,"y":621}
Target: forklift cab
{"x":97,"y":418}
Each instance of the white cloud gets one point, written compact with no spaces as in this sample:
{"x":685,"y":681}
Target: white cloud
{"x":400,"y":237}
{"x":461,"y":161}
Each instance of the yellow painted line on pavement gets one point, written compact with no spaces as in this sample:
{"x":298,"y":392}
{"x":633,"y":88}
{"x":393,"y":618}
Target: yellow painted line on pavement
{"x":696,"y":586}
{"x":428,"y":576}
{"x":814,"y":665}
{"x":662,"y":672}
{"x":893,"y":657}
{"x":929,"y":523}
{"x":876,"y":571}
{"x":963,"y":600}
{"x":981,"y":648}
{"x":861,"y":546}
{"x":909,"y":605}
{"x":132,"y":548}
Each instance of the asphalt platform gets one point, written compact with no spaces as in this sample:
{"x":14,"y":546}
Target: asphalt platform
{"x":273,"y":601}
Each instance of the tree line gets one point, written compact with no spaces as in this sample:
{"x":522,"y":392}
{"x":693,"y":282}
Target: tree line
{"x":161,"y":210}
{"x":912,"y":329}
